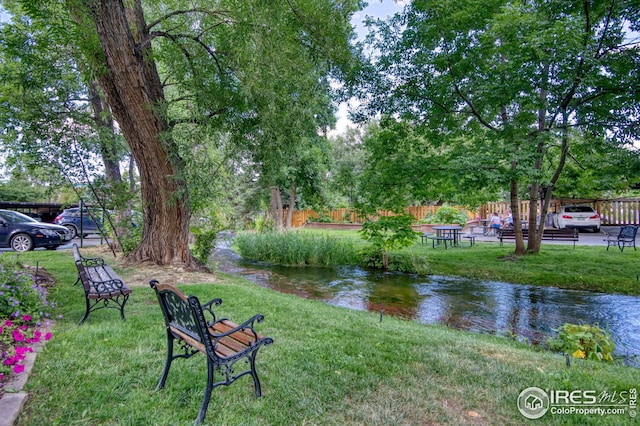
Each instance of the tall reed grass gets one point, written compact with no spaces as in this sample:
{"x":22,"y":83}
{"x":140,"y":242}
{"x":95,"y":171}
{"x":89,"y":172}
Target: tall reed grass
{"x":297,"y":248}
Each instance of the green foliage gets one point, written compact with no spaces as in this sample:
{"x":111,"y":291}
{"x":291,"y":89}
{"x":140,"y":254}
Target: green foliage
{"x":21,"y":191}
{"x":205,"y":232}
{"x":447,"y":215}
{"x":19,"y":295}
{"x":131,"y":234}
{"x":263,"y":223}
{"x":388,"y":233}
{"x":583,"y":341}
{"x":296,"y":248}
{"x":492,"y":95}
{"x":23,"y":306}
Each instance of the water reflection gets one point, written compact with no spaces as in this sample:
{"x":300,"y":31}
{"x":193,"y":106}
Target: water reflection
{"x":528,"y":312}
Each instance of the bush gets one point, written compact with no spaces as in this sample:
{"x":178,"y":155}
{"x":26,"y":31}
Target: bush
{"x":23,"y":307}
{"x":583,"y":341}
{"x":447,"y":215}
{"x":205,"y":233}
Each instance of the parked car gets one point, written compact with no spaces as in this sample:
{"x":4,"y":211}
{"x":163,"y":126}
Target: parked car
{"x":577,"y":216}
{"x":22,"y":233}
{"x":89,"y":222}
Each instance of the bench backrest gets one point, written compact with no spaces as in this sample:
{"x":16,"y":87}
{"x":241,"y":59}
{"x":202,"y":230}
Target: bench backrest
{"x":176,"y":309}
{"x":82,"y":273}
{"x":76,"y":254}
{"x":628,"y":232}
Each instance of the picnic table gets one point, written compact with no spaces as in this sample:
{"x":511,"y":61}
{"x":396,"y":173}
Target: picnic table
{"x":445,"y":234}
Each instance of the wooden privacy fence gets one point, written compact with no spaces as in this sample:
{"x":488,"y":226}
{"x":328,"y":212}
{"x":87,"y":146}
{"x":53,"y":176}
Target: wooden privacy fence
{"x":300,"y":217}
{"x":612,"y":212}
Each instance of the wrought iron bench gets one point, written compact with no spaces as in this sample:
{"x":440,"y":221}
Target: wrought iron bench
{"x":566,"y":234}
{"x":626,"y":237}
{"x":103,"y":288}
{"x":224,"y":343}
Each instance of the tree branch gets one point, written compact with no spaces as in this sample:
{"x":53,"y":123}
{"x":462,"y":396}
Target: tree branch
{"x":223,"y":14}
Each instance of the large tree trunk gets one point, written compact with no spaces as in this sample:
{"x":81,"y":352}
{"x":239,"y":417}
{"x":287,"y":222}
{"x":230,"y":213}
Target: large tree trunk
{"x":276,"y":208}
{"x":134,"y":92}
{"x":515,"y":211}
{"x":292,"y":204}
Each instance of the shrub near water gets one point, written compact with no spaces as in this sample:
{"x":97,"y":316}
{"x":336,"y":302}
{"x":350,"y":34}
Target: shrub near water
{"x":296,"y":248}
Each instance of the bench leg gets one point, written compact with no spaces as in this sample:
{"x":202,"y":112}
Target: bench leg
{"x":207,"y":393}
{"x":167,"y":364}
{"x":86,"y":313}
{"x":124,"y":301}
{"x":254,"y":374}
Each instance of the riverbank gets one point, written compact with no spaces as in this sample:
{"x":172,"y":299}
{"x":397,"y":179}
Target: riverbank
{"x":585,"y":267}
{"x":328,"y":365}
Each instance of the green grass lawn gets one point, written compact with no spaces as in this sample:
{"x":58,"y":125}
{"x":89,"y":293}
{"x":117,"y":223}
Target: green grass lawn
{"x":327,"y":366}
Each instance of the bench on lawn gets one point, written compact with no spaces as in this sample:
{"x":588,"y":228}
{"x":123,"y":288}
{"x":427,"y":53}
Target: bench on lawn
{"x":197,"y":329}
{"x":103,"y":288}
{"x":626,"y":237}
{"x":550,"y":234}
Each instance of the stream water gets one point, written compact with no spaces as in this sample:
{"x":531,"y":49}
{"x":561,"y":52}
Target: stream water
{"x":528,"y":312}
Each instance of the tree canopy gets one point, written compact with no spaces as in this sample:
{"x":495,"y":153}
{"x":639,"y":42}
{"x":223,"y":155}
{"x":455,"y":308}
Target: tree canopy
{"x":507,"y":86}
{"x":178,"y":78}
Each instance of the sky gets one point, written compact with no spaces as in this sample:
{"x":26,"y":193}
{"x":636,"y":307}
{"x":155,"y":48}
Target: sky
{"x":375,"y":9}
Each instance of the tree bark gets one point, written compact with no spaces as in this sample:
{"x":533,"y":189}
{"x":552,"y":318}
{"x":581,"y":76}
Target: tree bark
{"x":276,"y":207}
{"x":292,"y":204}
{"x":134,"y":92}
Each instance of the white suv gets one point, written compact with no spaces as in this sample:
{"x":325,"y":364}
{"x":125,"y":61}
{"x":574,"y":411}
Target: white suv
{"x":577,"y":216}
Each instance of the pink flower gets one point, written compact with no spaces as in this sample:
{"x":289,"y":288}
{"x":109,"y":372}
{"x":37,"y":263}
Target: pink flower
{"x":1,"y":329}
{"x":22,"y":350}
{"x":7,"y":323}
{"x":10,"y":361}
{"x":47,"y":336}
{"x":27,"y":318}
{"x":18,"y":368}
{"x":18,"y":336}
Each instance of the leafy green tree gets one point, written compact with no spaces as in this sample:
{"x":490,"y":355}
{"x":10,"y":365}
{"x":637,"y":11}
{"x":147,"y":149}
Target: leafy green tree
{"x":388,"y":233}
{"x":509,"y":85}
{"x":347,"y":162}
{"x":219,"y":66}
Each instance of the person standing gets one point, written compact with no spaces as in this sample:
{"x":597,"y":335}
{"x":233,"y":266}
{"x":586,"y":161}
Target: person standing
{"x":495,"y":223}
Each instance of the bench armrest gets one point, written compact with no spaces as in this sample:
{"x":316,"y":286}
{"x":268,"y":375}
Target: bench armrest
{"x":208,"y":307}
{"x":107,"y":286}
{"x":248,"y":325}
{"x":92,"y":261}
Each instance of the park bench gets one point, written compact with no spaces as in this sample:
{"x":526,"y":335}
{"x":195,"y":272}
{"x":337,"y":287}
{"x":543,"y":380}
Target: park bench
{"x":197,"y":329}
{"x":626,"y":237}
{"x":549,"y":234}
{"x":102,"y":286}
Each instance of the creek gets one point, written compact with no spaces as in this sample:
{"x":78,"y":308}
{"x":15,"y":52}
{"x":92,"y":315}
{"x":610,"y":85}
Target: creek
{"x":524,"y":312}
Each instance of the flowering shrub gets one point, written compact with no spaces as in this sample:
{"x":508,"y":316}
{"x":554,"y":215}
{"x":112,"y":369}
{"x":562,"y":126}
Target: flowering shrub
{"x":23,"y":308}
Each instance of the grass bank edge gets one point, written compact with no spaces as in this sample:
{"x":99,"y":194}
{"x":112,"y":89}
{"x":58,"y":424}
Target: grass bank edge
{"x":580,"y":268}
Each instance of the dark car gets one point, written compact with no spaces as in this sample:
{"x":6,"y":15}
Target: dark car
{"x":89,"y":222}
{"x":22,"y":233}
